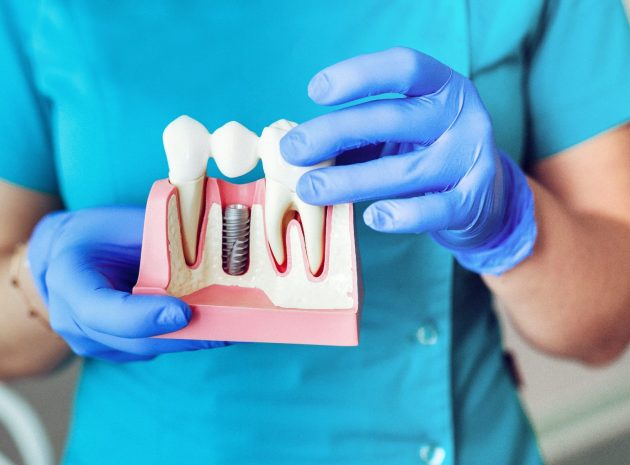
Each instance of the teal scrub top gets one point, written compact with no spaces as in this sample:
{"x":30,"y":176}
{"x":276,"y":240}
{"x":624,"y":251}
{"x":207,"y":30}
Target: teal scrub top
{"x":88,"y":87}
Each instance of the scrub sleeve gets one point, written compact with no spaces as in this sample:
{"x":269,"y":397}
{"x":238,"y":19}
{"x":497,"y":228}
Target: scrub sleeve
{"x":579,"y":81}
{"x":26,"y":150}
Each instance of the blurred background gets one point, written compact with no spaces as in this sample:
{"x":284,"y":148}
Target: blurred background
{"x":581,"y":415}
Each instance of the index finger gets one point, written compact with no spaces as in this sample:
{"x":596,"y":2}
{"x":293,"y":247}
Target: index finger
{"x":398,"y":70}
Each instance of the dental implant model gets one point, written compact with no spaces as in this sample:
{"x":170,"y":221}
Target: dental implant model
{"x":253,"y":261}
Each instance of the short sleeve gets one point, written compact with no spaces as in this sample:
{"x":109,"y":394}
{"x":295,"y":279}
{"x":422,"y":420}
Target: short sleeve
{"x":579,"y":74}
{"x":26,"y":155}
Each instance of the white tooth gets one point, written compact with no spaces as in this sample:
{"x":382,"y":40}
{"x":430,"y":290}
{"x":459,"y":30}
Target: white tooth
{"x":282,"y":179}
{"x":187,"y":145}
{"x":278,"y":200}
{"x":234,"y":149}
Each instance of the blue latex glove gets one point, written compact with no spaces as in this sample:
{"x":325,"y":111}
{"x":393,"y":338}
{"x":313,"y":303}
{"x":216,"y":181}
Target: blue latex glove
{"x":438,"y":165}
{"x":84,"y":264}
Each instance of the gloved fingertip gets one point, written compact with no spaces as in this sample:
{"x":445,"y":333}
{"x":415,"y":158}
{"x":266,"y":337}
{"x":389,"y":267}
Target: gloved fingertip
{"x":186,"y":311}
{"x":368,"y":217}
{"x":307,"y":187}
{"x":174,"y":316}
{"x":292,"y":147}
{"x":318,"y":88}
{"x":377,"y":218}
{"x":311,"y":188}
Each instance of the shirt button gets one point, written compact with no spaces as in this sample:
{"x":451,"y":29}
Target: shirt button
{"x":432,"y":454}
{"x":427,"y":334}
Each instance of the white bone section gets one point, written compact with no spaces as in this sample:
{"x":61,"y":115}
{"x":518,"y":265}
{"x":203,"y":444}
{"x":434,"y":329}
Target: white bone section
{"x":186,"y":143}
{"x":294,"y":290}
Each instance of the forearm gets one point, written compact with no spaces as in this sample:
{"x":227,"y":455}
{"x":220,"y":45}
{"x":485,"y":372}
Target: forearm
{"x":571,"y":296}
{"x":27,"y":345}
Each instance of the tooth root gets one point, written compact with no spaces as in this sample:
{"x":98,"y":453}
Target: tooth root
{"x":313,"y":218}
{"x":277,"y":202}
{"x":234,"y":149}
{"x":190,"y":199}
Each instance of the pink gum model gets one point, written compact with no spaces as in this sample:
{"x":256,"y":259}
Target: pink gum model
{"x":246,"y":314}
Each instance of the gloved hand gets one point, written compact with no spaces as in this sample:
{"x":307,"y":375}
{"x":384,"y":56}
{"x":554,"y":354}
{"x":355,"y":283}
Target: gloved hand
{"x":84,"y":264}
{"x":439,"y":168}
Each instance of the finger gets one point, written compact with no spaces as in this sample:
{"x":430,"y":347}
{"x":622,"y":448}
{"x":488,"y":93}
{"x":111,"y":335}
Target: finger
{"x":82,"y":345}
{"x":87,"y":342}
{"x":151,"y":347}
{"x":399,"y":70}
{"x":428,"y":213}
{"x":405,"y":175}
{"x":85,"y":346}
{"x":418,"y":121}
{"x":96,"y":305}
{"x":90,"y":348}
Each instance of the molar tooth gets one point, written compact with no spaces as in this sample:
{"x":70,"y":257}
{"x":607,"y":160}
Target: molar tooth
{"x":281,"y":179}
{"x":234,"y":149}
{"x":187,"y":143}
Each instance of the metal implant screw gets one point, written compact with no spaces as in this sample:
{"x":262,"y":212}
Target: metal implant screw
{"x":235,"y":239}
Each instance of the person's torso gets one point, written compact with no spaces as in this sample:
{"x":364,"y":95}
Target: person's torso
{"x":427,"y":381}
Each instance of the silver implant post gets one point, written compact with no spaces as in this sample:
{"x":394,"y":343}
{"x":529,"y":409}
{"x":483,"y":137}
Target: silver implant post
{"x":235,"y":239}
